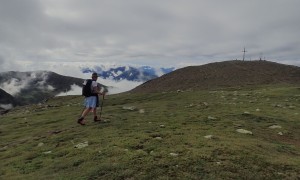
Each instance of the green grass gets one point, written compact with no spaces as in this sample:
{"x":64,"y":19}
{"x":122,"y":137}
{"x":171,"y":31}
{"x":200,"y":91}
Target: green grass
{"x":165,"y":142}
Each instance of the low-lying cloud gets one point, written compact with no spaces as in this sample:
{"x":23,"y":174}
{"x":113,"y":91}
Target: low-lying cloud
{"x":21,"y":81}
{"x":14,"y":86}
{"x":113,"y":87}
{"x":6,"y":106}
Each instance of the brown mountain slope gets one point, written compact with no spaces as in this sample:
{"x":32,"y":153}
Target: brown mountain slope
{"x":222,"y":75}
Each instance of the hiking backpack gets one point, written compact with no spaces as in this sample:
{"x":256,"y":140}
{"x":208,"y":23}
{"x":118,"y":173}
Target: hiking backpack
{"x":86,"y":89}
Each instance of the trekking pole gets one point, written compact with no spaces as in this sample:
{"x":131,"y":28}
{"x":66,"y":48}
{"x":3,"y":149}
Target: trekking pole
{"x":101,"y":106}
{"x":82,"y":111}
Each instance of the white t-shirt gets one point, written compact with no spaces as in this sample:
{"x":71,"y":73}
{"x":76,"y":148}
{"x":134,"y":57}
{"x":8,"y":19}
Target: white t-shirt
{"x":94,"y":85}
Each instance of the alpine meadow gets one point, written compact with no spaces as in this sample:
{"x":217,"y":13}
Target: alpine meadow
{"x":226,"y":120}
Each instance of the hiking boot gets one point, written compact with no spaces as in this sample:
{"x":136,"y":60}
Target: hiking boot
{"x":96,"y":119}
{"x":80,"y":121}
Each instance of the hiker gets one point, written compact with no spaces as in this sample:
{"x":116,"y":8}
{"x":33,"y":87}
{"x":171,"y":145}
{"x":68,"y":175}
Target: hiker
{"x":91,"y":101}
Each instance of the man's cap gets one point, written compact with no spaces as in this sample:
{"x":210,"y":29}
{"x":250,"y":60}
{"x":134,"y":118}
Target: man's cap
{"x":94,"y":75}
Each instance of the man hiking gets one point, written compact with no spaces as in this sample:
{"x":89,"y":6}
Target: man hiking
{"x":91,"y":91}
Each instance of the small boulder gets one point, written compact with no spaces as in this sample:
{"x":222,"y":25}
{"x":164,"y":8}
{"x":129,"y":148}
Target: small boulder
{"x":40,"y":144}
{"x":209,"y":136}
{"x":130,"y":108}
{"x":243,"y":131}
{"x":211,"y":118}
{"x":275,"y":127}
{"x":47,"y":152}
{"x":82,"y":145}
{"x":246,"y":113}
{"x":174,"y":154}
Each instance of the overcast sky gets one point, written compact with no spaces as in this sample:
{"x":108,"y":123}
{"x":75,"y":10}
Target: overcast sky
{"x":59,"y":34}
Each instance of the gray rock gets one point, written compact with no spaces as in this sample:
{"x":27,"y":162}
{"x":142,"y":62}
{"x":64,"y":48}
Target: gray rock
{"x":211,"y":118}
{"x":209,"y":136}
{"x":82,"y":145}
{"x":243,"y":131}
{"x":275,"y":127}
{"x":131,"y":108}
{"x":174,"y":154}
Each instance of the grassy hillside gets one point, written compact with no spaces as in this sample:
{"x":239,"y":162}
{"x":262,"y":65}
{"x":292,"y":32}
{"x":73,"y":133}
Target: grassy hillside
{"x":185,"y":135}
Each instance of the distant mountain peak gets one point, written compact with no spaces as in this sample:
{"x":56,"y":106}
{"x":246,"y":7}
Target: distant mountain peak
{"x":130,"y":73}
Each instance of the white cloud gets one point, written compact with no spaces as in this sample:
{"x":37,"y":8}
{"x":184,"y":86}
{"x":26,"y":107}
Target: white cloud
{"x":14,"y":86}
{"x":114,"y":87}
{"x":21,"y":81}
{"x":6,"y":106}
{"x":75,"y":90}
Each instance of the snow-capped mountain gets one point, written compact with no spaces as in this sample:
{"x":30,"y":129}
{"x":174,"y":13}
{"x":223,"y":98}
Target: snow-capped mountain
{"x":140,"y":74}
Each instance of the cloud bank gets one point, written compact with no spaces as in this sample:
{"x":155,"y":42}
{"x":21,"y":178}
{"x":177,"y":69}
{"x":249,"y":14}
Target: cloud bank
{"x":38,"y":34}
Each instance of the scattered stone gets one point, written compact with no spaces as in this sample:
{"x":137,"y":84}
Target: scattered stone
{"x":3,"y":148}
{"x":131,"y":108}
{"x":40,"y":144}
{"x":277,"y":105}
{"x":243,"y":131}
{"x":174,"y":154}
{"x":158,"y":138}
{"x":275,"y":127}
{"x":280,"y":133}
{"x":205,"y":103}
{"x":292,"y":107}
{"x":190,"y":105}
{"x":218,"y":163}
{"x":82,"y":145}
{"x":209,"y":136}
{"x":246,"y":113}
{"x":47,"y":152}
{"x":257,"y":110}
{"x":211,"y":118}
{"x":162,"y":126}
{"x":142,"y":111}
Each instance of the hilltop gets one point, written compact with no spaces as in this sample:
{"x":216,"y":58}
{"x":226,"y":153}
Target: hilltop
{"x":225,"y":74}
